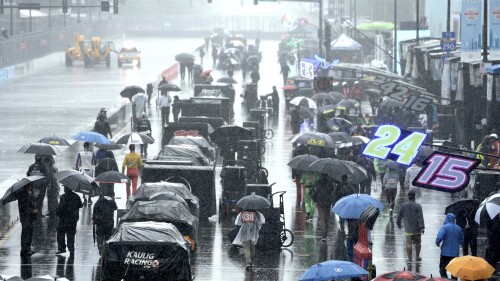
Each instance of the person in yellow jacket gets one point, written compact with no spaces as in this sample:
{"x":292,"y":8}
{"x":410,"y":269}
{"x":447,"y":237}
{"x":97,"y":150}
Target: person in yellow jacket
{"x":133,"y":163}
{"x":378,"y":164}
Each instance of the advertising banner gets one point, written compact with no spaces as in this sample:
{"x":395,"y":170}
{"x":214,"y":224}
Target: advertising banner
{"x":471,"y":17}
{"x":494,"y":29}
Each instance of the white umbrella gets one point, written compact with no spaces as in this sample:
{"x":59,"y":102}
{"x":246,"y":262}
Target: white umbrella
{"x":492,"y":205}
{"x":304,"y":102}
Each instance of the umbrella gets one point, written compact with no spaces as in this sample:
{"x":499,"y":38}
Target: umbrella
{"x":11,"y":278}
{"x":253,"y":58}
{"x":10,"y":193}
{"x":236,"y":43}
{"x":143,"y":96}
{"x":424,"y":151}
{"x":470,"y":268}
{"x":41,"y":278}
{"x":333,"y":270}
{"x":372,"y":92}
{"x":492,"y":206}
{"x":437,"y":279}
{"x":231,"y":61}
{"x":55,"y":141}
{"x":334,"y":168}
{"x":78,"y":182}
{"x":391,"y":103}
{"x":91,"y":137}
{"x":109,"y":146}
{"x":227,"y":80}
{"x":460,"y":205}
{"x":169,"y":87}
{"x":313,"y":138}
{"x":391,"y":165}
{"x":347,"y":103}
{"x":358,"y":173}
{"x":231,"y":133}
{"x":205,"y":73}
{"x":231,"y":51}
{"x":111,"y":177}
{"x":253,"y":202}
{"x":360,"y":140}
{"x":400,"y":276}
{"x":325,"y":97}
{"x":302,"y":162}
{"x":289,"y":87}
{"x":304,"y":102}
{"x":352,"y":206}
{"x":135,"y":138}
{"x":184,"y":58}
{"x":40,"y":148}
{"x":376,"y":25}
{"x":338,"y":124}
{"x":130,"y":91}
{"x":340,"y":137}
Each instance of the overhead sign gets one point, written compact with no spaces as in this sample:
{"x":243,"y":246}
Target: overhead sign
{"x":494,"y":29}
{"x":448,"y":42}
{"x":446,"y":172}
{"x":471,"y":30}
{"x":391,"y":142}
{"x":402,"y":94}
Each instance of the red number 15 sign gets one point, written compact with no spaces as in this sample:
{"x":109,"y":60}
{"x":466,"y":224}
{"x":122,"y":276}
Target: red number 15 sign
{"x":445,"y":172}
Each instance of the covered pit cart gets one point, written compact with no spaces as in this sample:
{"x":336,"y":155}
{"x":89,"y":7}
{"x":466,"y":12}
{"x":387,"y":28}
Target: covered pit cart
{"x":189,"y":151}
{"x":199,"y":141}
{"x":147,"y":250}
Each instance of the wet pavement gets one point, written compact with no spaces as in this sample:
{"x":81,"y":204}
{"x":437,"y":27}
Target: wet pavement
{"x":63,"y":101}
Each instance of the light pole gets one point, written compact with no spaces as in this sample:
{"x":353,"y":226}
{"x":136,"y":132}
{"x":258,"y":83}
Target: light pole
{"x":418,"y":20}
{"x":320,"y":29}
{"x":395,"y":65}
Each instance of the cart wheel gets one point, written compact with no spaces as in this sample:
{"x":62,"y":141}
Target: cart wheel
{"x":264,"y":170}
{"x":286,"y":238}
{"x":268,"y":134}
{"x":262,"y":149}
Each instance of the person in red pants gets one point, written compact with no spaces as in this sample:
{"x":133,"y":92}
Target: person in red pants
{"x":133,"y":163}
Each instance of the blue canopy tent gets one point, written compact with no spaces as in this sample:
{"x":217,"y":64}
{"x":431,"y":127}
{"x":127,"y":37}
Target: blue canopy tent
{"x":346,"y":50}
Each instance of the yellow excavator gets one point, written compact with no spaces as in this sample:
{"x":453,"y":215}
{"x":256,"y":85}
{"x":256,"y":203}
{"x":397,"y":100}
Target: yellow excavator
{"x":91,"y":52}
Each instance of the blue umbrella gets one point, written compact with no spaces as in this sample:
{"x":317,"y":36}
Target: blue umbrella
{"x":333,"y":270}
{"x":352,"y":206}
{"x":91,"y":137}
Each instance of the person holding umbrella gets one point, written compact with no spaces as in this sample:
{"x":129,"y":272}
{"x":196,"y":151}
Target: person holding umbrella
{"x":67,"y":211}
{"x":28,"y":212}
{"x":144,"y":126}
{"x":215,"y":54}
{"x":133,"y":163}
{"x":165,"y":101}
{"x":102,"y":218}
{"x":52,"y":184}
{"x":108,"y":163}
{"x":40,"y":187}
{"x":323,"y":197}
{"x":285,"y":69}
{"x":85,"y":162}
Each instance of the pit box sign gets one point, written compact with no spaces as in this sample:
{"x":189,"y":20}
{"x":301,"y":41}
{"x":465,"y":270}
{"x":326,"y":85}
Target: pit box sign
{"x":391,"y":142}
{"x":307,"y":69}
{"x":402,"y":94}
{"x":448,"y":42}
{"x":446,"y":172}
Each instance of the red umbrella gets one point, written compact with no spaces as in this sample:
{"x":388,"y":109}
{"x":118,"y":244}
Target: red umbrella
{"x":205,"y":73}
{"x":289,"y":87}
{"x":400,"y":276}
{"x":437,"y":279}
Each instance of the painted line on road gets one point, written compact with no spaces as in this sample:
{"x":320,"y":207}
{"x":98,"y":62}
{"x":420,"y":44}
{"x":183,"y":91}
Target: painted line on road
{"x":9,"y":233}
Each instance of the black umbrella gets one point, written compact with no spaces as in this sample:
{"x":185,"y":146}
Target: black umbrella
{"x":253,"y":58}
{"x":227,"y":80}
{"x":334,"y":168}
{"x":78,"y":182}
{"x":169,"y":87}
{"x":314,"y":139}
{"x":10,"y":193}
{"x":327,"y":109}
{"x":347,"y":103}
{"x":391,"y":103}
{"x":130,"y":91}
{"x":358,"y":173}
{"x":184,"y":58}
{"x":304,"y":112}
{"x":111,"y":177}
{"x":135,"y":138}
{"x":461,"y":204}
{"x":372,"y":92}
{"x":230,"y":133}
{"x":253,"y":202}
{"x":391,"y":165}
{"x":340,"y":137}
{"x":325,"y":97}
{"x":110,"y":146}
{"x":302,"y":162}
{"x":55,"y":141}
{"x":337,"y":124}
{"x":40,"y":148}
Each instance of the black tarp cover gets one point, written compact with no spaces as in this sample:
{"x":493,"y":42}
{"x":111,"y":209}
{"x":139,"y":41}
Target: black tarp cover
{"x":153,"y":250}
{"x":168,"y":195}
{"x":183,"y":150}
{"x":169,"y":211}
{"x":199,"y":141}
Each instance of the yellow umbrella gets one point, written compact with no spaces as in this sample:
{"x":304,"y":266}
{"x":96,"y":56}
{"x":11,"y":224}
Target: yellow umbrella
{"x":470,"y":268}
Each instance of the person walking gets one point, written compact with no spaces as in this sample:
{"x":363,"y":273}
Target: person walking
{"x":285,"y":69}
{"x":215,"y":54}
{"x":108,"y":163}
{"x":149,"y":91}
{"x":449,"y":238}
{"x":345,"y":90}
{"x":182,"y":70}
{"x":230,"y":69}
{"x":275,"y":97}
{"x":201,"y":52}
{"x":255,"y":76}
{"x":367,"y":163}
{"x":307,"y":181}
{"x":465,"y":219}
{"x":28,"y":212}
{"x":391,"y":180}
{"x":133,"y":163}
{"x":352,"y":237}
{"x":40,"y":187}
{"x":323,"y":197}
{"x":103,"y":218}
{"x":411,"y":174}
{"x":411,"y":214}
{"x":250,"y":221}
{"x":67,"y":211}
{"x":52,"y":184}
{"x":295,"y":120}
{"x":165,"y":102}
{"x":380,"y":169}
{"x":176,"y":108}
{"x":85,"y":162}
{"x":144,"y":127}
{"x":357,"y":92}
{"x":102,"y":126}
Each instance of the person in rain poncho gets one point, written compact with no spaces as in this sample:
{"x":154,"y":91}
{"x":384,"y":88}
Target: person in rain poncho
{"x":250,"y":221}
{"x":449,"y":238}
{"x":139,"y":106}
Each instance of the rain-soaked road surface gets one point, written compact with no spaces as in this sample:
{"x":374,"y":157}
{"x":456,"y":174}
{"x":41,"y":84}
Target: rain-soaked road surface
{"x":63,"y":101}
